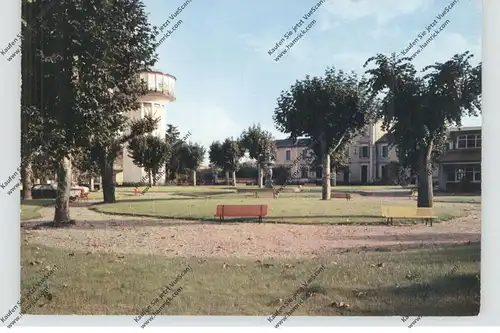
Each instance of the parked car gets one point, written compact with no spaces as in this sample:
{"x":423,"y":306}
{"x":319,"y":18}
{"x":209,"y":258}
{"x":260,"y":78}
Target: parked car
{"x":48,"y":191}
{"x":43,"y":191}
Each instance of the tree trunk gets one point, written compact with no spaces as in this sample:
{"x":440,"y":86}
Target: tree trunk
{"x":108,"y":186}
{"x":227,"y":177}
{"x":234,"y":178}
{"x":334,"y":177}
{"x":194,"y":177}
{"x":26,"y":176}
{"x":425,"y":191}
{"x":150,"y":183}
{"x":91,"y":183}
{"x":61,"y":214}
{"x":259,"y":175}
{"x":327,"y":189}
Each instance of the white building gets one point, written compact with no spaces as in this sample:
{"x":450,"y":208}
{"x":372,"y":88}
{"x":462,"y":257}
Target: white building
{"x":161,"y":92}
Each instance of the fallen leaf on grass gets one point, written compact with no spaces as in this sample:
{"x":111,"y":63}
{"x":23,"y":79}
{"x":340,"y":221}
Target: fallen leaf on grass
{"x":340,"y":305}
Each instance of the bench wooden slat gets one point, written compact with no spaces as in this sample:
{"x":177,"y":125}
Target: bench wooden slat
{"x":346,"y":196}
{"x":241,"y":211}
{"x":405,"y":212}
{"x":266,"y":192}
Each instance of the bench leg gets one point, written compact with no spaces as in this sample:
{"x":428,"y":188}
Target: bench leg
{"x":392,"y":221}
{"x":431,"y":222}
{"x":260,"y":219}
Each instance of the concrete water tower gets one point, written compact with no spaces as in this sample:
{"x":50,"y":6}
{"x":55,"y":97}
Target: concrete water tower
{"x":161,"y":92}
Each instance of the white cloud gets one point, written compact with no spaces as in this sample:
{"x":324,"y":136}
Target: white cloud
{"x":381,"y":10}
{"x":444,"y":46}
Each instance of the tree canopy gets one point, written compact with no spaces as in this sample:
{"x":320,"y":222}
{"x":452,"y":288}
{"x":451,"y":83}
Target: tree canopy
{"x":330,"y":110}
{"x":260,"y":146}
{"x":417,"y":110}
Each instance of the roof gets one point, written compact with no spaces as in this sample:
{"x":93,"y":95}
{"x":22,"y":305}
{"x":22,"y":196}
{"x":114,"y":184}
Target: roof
{"x":289,"y":143}
{"x":383,"y":139}
{"x":464,"y":129}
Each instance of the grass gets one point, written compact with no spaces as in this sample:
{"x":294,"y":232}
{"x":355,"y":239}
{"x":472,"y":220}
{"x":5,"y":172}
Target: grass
{"x":458,"y":199}
{"x":412,"y":282}
{"x":290,"y":208}
{"x":29,"y":212}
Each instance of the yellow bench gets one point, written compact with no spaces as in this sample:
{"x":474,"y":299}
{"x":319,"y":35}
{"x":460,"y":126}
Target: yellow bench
{"x":407,"y":212}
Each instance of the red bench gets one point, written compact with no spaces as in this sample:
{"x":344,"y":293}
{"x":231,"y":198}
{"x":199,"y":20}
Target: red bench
{"x":241,"y":211}
{"x":346,"y":196}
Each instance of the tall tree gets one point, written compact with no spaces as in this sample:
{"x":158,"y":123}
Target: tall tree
{"x":418,"y":109}
{"x":32,"y":122}
{"x":92,"y":53}
{"x":149,"y":152}
{"x":330,"y":110}
{"x":191,"y":156}
{"x":216,"y":158}
{"x":260,"y":146}
{"x":172,"y":140}
{"x":232,"y":151}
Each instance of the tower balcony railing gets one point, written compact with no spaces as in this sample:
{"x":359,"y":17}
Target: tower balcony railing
{"x":160,"y":83}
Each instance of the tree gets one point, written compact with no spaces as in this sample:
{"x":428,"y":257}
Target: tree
{"x":91,"y":53}
{"x":172,"y":140}
{"x":148,"y":152}
{"x":216,"y":158}
{"x":32,"y":122}
{"x":260,"y":146}
{"x":330,"y":110}
{"x":232,"y":151}
{"x":417,"y":110}
{"x":191,"y":155}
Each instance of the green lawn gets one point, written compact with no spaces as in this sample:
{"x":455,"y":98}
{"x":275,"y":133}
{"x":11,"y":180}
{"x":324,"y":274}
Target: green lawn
{"x":30,"y":212}
{"x":30,"y":208}
{"x":458,"y":199}
{"x":412,"y":282}
{"x":289,"y":208}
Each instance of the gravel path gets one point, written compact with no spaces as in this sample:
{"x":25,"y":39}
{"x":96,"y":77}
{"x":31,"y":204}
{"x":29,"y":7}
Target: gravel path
{"x":96,"y":232}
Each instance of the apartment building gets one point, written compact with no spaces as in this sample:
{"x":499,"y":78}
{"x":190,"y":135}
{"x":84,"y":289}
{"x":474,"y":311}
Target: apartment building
{"x":460,"y":164}
{"x":369,"y":153}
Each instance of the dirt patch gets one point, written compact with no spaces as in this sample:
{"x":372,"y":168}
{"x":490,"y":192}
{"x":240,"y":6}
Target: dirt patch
{"x":246,"y":240}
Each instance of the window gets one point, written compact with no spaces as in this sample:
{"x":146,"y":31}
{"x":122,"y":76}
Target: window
{"x":385,"y":151}
{"x":364,"y":152}
{"x":472,"y":174}
{"x":304,"y":173}
{"x":288,"y":155}
{"x":468,"y":141}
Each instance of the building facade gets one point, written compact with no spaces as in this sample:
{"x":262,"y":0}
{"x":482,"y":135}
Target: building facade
{"x":161,"y":88}
{"x":369,"y":154}
{"x":460,"y":164}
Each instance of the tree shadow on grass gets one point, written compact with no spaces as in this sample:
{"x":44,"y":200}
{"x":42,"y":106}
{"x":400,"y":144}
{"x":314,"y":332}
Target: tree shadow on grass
{"x":457,"y":295}
{"x":420,"y":237}
{"x":203,"y":194}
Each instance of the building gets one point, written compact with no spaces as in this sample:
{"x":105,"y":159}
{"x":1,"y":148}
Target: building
{"x":460,"y":164}
{"x":161,"y":92}
{"x":369,"y":153}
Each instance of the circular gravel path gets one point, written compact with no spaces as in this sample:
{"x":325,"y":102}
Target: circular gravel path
{"x":97,"y":232}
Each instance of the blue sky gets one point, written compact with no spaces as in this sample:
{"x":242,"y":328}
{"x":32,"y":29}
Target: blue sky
{"x":226,"y":80}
